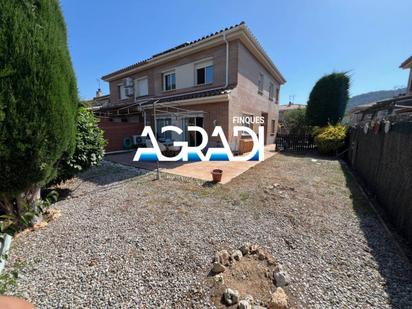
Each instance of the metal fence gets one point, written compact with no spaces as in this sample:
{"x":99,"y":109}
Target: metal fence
{"x":295,"y":143}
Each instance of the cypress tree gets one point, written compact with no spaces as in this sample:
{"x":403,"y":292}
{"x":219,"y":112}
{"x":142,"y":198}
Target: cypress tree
{"x":38,"y":96}
{"x":328,"y":100}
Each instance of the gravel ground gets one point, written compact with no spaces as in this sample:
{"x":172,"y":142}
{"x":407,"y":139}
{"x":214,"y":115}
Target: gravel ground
{"x":126,"y":241}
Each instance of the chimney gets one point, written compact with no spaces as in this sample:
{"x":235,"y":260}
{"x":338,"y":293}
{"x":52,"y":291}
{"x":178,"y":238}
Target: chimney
{"x":99,"y":93}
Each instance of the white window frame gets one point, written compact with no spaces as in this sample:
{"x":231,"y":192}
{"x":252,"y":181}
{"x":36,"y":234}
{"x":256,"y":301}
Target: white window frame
{"x":164,"y":74}
{"x":261,"y":81}
{"x":136,"y":89}
{"x":203,"y":65}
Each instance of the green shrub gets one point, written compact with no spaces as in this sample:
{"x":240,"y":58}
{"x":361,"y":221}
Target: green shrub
{"x":295,"y":121}
{"x":38,"y":98}
{"x":89,"y":149}
{"x":328,"y":100}
{"x":330,"y":139}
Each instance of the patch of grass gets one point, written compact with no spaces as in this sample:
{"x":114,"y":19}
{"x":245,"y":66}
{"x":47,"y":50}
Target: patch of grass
{"x":8,"y":279}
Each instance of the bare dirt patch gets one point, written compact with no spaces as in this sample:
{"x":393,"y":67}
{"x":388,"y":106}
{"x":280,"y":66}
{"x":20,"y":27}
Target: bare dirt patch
{"x":248,"y":276}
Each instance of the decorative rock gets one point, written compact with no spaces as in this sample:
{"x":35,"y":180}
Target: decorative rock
{"x":282,"y":278}
{"x":279,"y":300}
{"x":218,"y":268}
{"x":253,"y":249}
{"x":249,"y":298}
{"x":262,"y":255}
{"x":270,"y":260}
{"x":219,"y":279}
{"x":222,"y":257}
{"x":237,"y":255}
{"x":244,"y":304}
{"x":230,"y":297}
{"x":278,"y":268}
{"x":258,"y":307}
{"x":245,"y":249}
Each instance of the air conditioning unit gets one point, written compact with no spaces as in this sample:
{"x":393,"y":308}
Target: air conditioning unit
{"x":139,"y":140}
{"x":129,"y":91}
{"x":128,"y":82}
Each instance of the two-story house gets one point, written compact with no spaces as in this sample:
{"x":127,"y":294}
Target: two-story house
{"x":206,"y":82}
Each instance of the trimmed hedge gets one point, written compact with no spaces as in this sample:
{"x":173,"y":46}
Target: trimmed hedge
{"x":330,"y":139}
{"x":328,"y":99}
{"x":38,"y":96}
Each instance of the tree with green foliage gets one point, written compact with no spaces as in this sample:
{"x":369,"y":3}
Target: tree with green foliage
{"x":89,"y":150}
{"x":328,"y":99}
{"x":295,"y":121}
{"x":38,"y":99}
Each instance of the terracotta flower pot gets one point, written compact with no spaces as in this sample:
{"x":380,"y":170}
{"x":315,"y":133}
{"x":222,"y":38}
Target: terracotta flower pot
{"x":217,"y":175}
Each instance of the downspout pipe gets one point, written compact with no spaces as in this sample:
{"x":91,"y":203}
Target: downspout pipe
{"x":227,"y":60}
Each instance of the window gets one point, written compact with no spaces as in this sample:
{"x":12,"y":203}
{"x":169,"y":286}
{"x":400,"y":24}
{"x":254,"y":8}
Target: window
{"x":271,"y":91}
{"x":141,"y":87}
{"x":277,"y":96}
{"x":273,"y":127}
{"x":169,"y":81}
{"x":122,"y":92}
{"x":204,"y":74}
{"x":260,"y":83}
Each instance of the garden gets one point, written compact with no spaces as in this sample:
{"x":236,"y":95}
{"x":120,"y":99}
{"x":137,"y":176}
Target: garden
{"x":79,"y":231}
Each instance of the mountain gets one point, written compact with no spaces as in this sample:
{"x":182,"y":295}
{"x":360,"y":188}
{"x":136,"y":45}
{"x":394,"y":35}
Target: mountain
{"x":373,"y":96}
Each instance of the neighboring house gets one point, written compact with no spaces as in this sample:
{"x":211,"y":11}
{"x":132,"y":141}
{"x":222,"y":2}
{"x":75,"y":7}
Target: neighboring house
{"x":407,"y":64}
{"x":398,"y":107}
{"x":205,"y":82}
{"x":355,"y":114}
{"x":282,"y":111}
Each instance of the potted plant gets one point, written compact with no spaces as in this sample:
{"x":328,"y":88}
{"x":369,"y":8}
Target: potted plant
{"x":217,"y":175}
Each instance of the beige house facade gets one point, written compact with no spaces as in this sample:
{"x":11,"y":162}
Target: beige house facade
{"x":208,"y":82}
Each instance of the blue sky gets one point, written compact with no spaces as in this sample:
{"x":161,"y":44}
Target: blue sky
{"x":305,"y":38}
